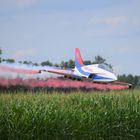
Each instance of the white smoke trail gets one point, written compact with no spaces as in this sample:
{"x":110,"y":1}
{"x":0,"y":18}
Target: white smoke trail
{"x":23,"y":71}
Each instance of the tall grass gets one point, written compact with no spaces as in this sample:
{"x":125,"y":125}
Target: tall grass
{"x":109,"y":115}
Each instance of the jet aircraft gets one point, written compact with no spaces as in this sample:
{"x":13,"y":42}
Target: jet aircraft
{"x":95,"y":72}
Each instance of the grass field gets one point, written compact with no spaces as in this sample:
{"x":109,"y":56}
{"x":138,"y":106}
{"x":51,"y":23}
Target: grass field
{"x":109,"y":115}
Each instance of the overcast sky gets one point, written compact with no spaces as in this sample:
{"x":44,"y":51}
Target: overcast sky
{"x":39,"y":30}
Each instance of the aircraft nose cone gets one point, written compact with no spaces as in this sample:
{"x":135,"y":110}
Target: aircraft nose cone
{"x":115,"y":77}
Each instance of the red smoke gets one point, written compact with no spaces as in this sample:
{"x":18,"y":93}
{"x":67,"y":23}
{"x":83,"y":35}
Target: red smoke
{"x":17,"y":70}
{"x":58,"y":83}
{"x":51,"y":82}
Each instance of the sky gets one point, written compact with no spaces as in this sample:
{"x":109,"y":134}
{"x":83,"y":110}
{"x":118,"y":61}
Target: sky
{"x":39,"y":30}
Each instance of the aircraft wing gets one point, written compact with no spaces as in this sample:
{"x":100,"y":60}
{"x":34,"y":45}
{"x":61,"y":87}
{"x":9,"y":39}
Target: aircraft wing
{"x":63,"y":71}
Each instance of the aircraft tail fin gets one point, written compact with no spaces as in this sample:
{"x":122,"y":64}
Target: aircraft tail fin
{"x":78,"y":58}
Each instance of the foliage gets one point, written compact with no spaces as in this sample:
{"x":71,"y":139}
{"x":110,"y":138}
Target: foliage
{"x":68,"y":64}
{"x":46,"y":63}
{"x":134,"y":80}
{"x":99,"y":59}
{"x":0,"y":54}
{"x":87,"y":62}
{"x":9,"y":60}
{"x":0,"y":51}
{"x":113,"y":115}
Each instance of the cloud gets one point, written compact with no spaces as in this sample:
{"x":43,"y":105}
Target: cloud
{"x":20,"y":54}
{"x":114,"y":21}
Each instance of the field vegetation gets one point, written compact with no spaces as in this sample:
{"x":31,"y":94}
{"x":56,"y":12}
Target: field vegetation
{"x":98,"y":115}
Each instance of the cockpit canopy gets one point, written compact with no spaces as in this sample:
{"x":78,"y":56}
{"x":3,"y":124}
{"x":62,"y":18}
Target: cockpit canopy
{"x":105,"y":67}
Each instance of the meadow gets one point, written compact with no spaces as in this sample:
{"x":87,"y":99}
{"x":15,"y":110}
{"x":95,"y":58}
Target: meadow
{"x":99,"y":115}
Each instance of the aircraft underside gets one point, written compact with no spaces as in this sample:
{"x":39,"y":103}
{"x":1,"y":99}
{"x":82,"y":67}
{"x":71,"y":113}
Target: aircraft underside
{"x":98,"y":85}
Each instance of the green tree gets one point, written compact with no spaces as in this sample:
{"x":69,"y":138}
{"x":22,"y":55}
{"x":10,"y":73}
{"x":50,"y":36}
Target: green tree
{"x":27,"y":62}
{"x":130,"y":79}
{"x":134,"y":80}
{"x":67,"y":64}
{"x":0,"y":54}
{"x":9,"y":60}
{"x":71,"y":64}
{"x":122,"y":78}
{"x":20,"y":62}
{"x":99,"y":59}
{"x":56,"y":65}
{"x":87,"y":62}
{"x":35,"y":64}
{"x":46,"y":63}
{"x":63,"y":64}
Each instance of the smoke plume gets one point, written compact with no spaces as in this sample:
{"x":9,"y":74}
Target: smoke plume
{"x":29,"y":76}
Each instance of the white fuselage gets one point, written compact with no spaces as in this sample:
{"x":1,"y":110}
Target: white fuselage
{"x":100,"y":72}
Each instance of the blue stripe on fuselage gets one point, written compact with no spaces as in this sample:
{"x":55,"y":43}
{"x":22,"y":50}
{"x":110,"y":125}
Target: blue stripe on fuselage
{"x":96,"y":77}
{"x":79,"y":68}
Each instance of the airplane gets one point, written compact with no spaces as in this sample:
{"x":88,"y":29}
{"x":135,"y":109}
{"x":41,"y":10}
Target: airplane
{"x":95,"y":72}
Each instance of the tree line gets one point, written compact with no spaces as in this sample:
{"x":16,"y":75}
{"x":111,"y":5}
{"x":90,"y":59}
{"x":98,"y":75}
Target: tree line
{"x":69,"y":64}
{"x":135,"y":80}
